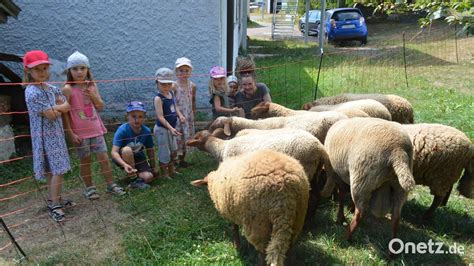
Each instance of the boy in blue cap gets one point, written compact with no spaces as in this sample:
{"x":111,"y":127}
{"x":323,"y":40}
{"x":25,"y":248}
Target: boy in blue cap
{"x":130,"y":142}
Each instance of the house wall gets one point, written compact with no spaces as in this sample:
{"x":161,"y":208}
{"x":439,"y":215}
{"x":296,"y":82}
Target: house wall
{"x":123,"y":39}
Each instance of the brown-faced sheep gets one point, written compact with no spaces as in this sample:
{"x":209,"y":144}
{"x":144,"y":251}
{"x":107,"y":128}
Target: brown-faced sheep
{"x":266,"y":110}
{"x":298,"y":144}
{"x":370,"y":154}
{"x":265,"y":192}
{"x":317,"y":125}
{"x":440,"y":154}
{"x":399,"y":107}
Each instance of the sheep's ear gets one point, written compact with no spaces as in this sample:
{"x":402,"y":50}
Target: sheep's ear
{"x":307,"y":106}
{"x":200,"y":182}
{"x":192,"y":142}
{"x":219,"y":133}
{"x":227,"y":130}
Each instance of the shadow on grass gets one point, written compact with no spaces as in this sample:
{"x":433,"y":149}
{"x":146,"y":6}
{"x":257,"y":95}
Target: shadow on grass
{"x":446,"y":221}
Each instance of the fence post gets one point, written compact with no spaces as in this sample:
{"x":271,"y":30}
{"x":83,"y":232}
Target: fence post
{"x":319,"y":71}
{"x":12,"y":238}
{"x":456,"y":42}
{"x":405,"y":59}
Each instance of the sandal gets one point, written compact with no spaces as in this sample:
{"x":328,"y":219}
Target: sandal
{"x":115,"y":189}
{"x":66,"y":203}
{"x":55,"y":212}
{"x":91,"y":193}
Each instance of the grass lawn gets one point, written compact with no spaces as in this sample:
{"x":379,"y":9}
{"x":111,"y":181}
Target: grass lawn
{"x":176,"y":223}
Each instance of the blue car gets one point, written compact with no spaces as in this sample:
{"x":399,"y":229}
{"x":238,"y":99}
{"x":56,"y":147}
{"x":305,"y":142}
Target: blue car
{"x":345,"y":24}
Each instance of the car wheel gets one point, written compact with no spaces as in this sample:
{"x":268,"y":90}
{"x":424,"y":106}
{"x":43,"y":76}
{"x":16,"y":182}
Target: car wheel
{"x":302,"y":28}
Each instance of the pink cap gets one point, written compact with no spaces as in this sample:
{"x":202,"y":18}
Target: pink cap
{"x":217,"y":72}
{"x":34,"y":58}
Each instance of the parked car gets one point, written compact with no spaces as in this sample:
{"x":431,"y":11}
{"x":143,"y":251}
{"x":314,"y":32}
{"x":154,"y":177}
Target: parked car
{"x":345,"y":24}
{"x":314,"y":20}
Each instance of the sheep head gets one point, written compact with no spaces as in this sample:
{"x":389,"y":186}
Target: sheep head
{"x":260,"y":110}
{"x":222,"y":122}
{"x":199,"y":140}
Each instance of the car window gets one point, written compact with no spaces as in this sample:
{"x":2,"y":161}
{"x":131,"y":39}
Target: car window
{"x":346,"y":15}
{"x":315,"y":15}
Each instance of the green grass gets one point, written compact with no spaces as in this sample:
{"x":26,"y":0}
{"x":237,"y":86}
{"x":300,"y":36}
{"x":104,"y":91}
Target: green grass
{"x":176,"y":223}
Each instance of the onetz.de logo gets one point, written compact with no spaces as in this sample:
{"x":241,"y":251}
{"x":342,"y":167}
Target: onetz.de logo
{"x":397,"y":246}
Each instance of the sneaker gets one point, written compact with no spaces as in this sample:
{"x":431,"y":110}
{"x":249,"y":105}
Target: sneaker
{"x":139,"y":183}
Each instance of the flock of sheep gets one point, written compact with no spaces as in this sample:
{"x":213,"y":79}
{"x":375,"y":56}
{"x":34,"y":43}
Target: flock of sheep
{"x":273,"y":170}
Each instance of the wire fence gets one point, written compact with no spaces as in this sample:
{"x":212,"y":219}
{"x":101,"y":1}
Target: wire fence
{"x":404,"y":61}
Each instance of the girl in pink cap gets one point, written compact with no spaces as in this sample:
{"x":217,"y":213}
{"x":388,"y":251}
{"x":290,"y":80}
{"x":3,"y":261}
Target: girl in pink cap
{"x":219,"y":90}
{"x":45,"y":105}
{"x":185,"y":93}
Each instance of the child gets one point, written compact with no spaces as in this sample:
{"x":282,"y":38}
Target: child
{"x":84,"y":126}
{"x":130,"y":141}
{"x":185,"y":91}
{"x":167,"y":114}
{"x":45,"y":105}
{"x":218,"y":90}
{"x":233,"y":84}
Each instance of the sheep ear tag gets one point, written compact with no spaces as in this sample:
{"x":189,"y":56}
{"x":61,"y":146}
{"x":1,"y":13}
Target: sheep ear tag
{"x":227,"y":129}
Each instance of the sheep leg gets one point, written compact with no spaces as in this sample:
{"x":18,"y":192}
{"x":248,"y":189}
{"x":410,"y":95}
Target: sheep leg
{"x":354,"y":224}
{"x":312,"y":202}
{"x":446,"y":197}
{"x":261,"y":259}
{"x":341,"y":196}
{"x":236,"y":235}
{"x":429,"y":213}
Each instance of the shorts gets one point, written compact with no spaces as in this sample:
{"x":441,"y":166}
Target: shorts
{"x":141,"y":162}
{"x":167,"y":145}
{"x":91,"y":145}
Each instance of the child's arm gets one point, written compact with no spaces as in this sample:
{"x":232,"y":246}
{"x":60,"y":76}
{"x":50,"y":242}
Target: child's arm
{"x":93,"y":92}
{"x":116,"y":156}
{"x":193,"y":98}
{"x":151,"y":157}
{"x":62,"y":105}
{"x":220,"y":109}
{"x":161,"y":117}
{"x":66,"y":121}
{"x":181,"y":117}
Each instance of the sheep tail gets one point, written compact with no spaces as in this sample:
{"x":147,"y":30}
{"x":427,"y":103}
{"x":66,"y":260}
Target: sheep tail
{"x":466,"y":183}
{"x":330,"y":176}
{"x":402,"y":166}
{"x":281,"y":238}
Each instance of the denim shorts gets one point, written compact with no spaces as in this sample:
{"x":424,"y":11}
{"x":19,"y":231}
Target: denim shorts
{"x":91,"y":145}
{"x":167,"y":145}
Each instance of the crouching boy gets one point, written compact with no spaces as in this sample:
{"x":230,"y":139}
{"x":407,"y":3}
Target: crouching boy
{"x":130,"y":142}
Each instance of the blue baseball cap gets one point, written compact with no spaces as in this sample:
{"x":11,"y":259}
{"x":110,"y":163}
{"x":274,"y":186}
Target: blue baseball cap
{"x":136,"y":106}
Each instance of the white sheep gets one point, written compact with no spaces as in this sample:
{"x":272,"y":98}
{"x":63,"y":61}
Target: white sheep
{"x":370,"y":155}
{"x":268,"y":109}
{"x":317,"y":125}
{"x":370,"y":107}
{"x":298,"y":144}
{"x":440,"y":154}
{"x":399,"y":107}
{"x":265,"y":192}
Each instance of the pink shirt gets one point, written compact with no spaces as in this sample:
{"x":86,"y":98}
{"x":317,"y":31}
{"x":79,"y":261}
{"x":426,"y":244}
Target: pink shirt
{"x":85,"y":121}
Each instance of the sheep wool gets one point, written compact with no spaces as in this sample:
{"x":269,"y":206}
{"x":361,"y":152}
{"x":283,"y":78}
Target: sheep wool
{"x":440,"y":154}
{"x":399,"y":107}
{"x":265,"y":192}
{"x":369,"y":107}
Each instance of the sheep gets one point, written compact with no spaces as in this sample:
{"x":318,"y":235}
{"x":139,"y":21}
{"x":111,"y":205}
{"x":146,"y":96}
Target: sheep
{"x":265,"y":192}
{"x":399,"y":107}
{"x":440,"y":154}
{"x":317,"y":125}
{"x":298,"y":144}
{"x":370,"y":107}
{"x":267,"y":109}
{"x":374,"y":157}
